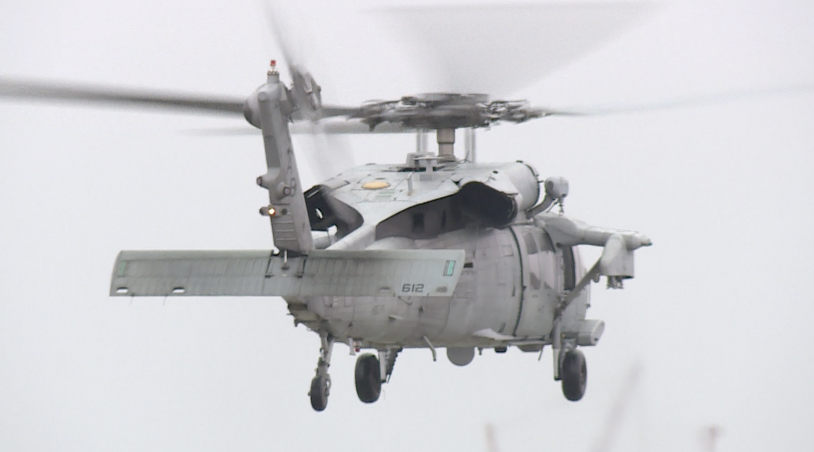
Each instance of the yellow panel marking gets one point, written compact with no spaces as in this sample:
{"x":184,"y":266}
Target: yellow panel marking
{"x":375,"y":185}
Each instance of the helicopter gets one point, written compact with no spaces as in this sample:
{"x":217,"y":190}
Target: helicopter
{"x":437,"y":251}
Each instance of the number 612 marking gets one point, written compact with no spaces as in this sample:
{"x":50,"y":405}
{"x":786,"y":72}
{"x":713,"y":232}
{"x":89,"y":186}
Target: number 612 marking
{"x":415,"y":288}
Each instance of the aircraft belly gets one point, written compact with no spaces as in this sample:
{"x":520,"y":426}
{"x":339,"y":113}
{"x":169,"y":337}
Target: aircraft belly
{"x":377,"y":319}
{"x":386,"y":320}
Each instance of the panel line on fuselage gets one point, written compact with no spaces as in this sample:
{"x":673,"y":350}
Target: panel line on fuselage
{"x":520,"y":252}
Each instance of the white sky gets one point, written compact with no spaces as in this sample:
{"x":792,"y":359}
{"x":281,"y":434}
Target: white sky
{"x":719,"y":314}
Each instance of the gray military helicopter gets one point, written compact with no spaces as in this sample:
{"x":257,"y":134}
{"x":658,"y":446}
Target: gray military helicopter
{"x":438,"y":251}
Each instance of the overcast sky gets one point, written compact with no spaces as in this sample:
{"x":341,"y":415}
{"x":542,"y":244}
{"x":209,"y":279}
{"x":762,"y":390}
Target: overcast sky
{"x":718,"y":316}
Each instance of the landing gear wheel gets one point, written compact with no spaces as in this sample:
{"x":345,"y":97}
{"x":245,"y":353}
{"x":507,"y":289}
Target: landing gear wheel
{"x":319,"y":393}
{"x":574,"y":375}
{"x":368,"y":378}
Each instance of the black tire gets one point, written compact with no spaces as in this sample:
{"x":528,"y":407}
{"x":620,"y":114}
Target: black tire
{"x":574,"y":375}
{"x":319,"y":393}
{"x":368,"y":378}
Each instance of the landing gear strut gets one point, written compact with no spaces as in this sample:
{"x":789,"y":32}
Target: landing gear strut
{"x":321,"y":384}
{"x":569,"y":363}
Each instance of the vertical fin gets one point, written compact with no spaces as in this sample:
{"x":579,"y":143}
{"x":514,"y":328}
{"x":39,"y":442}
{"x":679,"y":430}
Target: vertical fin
{"x":289,"y":217}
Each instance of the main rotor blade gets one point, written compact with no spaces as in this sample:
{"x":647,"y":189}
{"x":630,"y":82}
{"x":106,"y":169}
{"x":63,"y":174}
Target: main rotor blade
{"x":325,"y":154}
{"x":306,"y":91}
{"x":498,"y":49}
{"x":118,"y":97}
{"x":684,"y":102}
{"x":291,"y":56}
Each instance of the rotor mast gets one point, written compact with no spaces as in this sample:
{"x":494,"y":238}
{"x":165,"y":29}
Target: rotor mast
{"x":446,"y":144}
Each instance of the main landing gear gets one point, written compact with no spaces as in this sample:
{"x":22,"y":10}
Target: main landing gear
{"x":569,"y":365}
{"x":371,"y":372}
{"x":368,"y":378}
{"x":574,"y":375}
{"x":321,"y":384}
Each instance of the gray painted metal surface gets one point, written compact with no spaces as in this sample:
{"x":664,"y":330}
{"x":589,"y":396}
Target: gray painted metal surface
{"x":417,"y":273}
{"x":289,"y":219}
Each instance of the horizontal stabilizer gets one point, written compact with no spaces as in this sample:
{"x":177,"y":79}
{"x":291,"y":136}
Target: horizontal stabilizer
{"x":343,"y":273}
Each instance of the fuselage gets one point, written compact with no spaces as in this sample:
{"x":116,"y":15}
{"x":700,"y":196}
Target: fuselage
{"x":512,"y":276}
{"x":509,"y":287}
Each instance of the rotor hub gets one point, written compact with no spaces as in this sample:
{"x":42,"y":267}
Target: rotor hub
{"x":445,"y":111}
